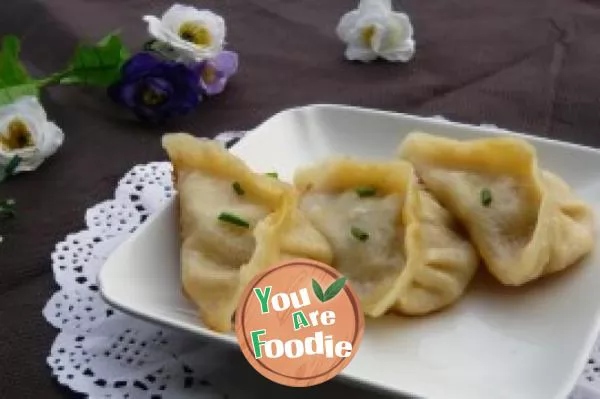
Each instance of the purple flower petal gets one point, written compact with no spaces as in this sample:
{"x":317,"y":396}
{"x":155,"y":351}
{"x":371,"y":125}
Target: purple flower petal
{"x":216,"y":72}
{"x":159,"y":86}
{"x":129,"y":94}
{"x":226,"y":62}
{"x":216,"y":87}
{"x":155,"y":89}
{"x":139,"y":64}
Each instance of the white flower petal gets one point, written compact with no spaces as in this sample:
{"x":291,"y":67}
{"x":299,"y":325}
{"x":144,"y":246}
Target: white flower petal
{"x":155,"y":28}
{"x":356,"y":53}
{"x":373,"y":29}
{"x":379,"y":34}
{"x":52,"y":140}
{"x":167,"y":30}
{"x":346,"y":25}
{"x":379,"y":6}
{"x":47,"y":137}
{"x":402,"y":53}
{"x":176,"y":15}
{"x":30,"y":106}
{"x":402,"y":22}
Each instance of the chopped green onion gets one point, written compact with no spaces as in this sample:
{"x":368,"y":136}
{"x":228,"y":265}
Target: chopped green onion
{"x":233,"y":219}
{"x":365,"y":192}
{"x":359,"y":234}
{"x":272,"y":174}
{"x":486,"y":197}
{"x":237,"y":187}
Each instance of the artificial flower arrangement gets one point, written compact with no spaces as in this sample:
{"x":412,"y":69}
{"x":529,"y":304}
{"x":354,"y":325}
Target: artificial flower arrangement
{"x":183,"y":63}
{"x":374,"y":30}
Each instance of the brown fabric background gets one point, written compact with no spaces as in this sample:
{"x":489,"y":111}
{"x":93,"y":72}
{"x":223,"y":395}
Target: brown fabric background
{"x":532,"y":66}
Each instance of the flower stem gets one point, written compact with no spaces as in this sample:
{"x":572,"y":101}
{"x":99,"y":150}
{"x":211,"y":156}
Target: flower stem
{"x":53,"y":79}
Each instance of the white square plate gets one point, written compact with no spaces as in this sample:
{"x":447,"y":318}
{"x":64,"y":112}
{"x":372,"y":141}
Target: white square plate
{"x":497,"y":342}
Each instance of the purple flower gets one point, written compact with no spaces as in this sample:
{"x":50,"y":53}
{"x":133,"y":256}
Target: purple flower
{"x":155,"y":89}
{"x":214,"y":73}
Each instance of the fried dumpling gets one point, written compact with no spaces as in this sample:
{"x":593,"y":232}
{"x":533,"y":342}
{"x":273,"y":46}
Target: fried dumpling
{"x":525,"y":221}
{"x":234,"y":223}
{"x":444,"y":260}
{"x":376,"y":220}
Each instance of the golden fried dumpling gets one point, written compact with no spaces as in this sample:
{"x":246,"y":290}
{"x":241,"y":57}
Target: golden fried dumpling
{"x":234,"y":223}
{"x":525,"y":221}
{"x":393,"y":242}
{"x":443,"y":260}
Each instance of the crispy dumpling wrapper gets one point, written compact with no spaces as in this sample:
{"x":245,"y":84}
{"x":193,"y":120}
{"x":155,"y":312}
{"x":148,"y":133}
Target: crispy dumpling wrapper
{"x":396,"y":267}
{"x":444,"y":260}
{"x":218,"y":257}
{"x":525,"y":222}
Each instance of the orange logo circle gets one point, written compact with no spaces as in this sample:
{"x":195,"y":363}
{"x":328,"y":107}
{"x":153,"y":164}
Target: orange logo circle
{"x":299,"y":323}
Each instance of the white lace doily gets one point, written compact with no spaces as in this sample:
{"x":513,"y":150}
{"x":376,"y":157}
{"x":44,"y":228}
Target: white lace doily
{"x":104,"y":353}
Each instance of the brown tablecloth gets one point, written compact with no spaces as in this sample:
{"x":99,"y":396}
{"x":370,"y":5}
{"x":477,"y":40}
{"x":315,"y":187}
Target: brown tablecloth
{"x":532,"y":66}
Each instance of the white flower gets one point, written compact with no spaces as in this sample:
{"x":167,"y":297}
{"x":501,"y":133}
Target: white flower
{"x":25,"y":131}
{"x":374,"y":30}
{"x":195,"y":34}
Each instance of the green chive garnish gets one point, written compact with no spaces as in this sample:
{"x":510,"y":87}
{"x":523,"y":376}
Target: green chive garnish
{"x":486,"y":197}
{"x":365,"y":192}
{"x":233,"y":219}
{"x":237,"y":187}
{"x":359,"y":234}
{"x":272,"y":174}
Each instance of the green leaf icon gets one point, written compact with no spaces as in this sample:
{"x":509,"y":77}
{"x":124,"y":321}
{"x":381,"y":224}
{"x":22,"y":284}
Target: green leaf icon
{"x":331,"y":292}
{"x":334,"y":289}
{"x":318,"y":290}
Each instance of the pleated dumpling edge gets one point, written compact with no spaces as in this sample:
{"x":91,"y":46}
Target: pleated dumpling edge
{"x":497,"y":190}
{"x":234,"y":223}
{"x":402,"y":270}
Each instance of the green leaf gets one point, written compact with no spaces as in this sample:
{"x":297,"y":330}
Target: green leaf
{"x":12,"y":72}
{"x":14,"y":80}
{"x":12,"y":165}
{"x":318,"y":290}
{"x":98,"y":65}
{"x":10,"y":168}
{"x":334,"y":289}
{"x":9,"y":94}
{"x":7,"y":208}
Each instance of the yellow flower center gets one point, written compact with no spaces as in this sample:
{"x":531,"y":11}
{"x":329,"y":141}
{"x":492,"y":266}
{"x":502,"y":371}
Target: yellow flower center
{"x":17,"y":136}
{"x":151,"y":97}
{"x":195,"y":33}
{"x":209,"y":74}
{"x":366,"y":34}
